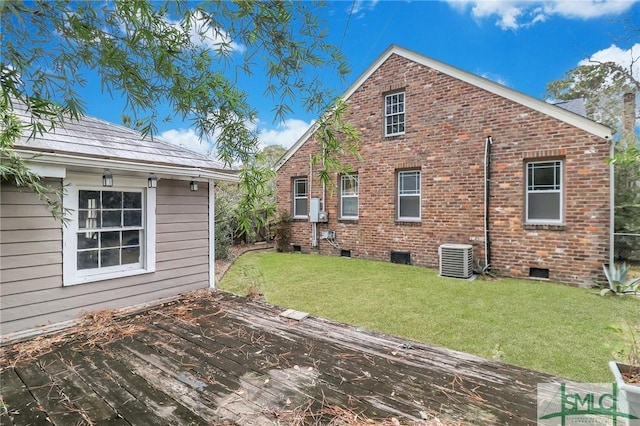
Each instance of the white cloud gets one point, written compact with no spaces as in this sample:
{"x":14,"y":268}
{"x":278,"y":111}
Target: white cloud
{"x":188,"y":139}
{"x":362,"y":6}
{"x":285,"y":134}
{"x":621,"y":57}
{"x":495,"y":78}
{"x":202,"y":34}
{"x":514,"y":14}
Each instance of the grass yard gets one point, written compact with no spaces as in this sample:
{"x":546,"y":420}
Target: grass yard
{"x":557,"y":329}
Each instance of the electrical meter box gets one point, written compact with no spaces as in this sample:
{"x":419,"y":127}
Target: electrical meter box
{"x":323,"y":217}
{"x":314,"y":210}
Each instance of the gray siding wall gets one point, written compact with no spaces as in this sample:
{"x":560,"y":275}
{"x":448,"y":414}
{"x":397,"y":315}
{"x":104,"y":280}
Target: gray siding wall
{"x":31,"y":291}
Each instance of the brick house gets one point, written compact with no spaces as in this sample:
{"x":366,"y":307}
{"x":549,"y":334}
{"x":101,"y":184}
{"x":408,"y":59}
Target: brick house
{"x":448,"y":157}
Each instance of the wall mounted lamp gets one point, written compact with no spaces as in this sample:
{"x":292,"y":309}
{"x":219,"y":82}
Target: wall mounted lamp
{"x":152,"y":182}
{"x":107,"y":178}
{"x":193,"y":185}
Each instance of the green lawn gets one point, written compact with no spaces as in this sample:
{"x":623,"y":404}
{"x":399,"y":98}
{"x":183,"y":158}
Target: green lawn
{"x":561,"y":330}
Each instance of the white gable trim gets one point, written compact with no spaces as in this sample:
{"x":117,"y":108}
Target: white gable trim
{"x":475,"y":80}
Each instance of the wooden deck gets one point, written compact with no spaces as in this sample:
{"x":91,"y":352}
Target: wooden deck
{"x":214,"y":358}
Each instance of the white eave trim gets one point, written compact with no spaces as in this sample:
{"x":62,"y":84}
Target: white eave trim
{"x":551,"y":110}
{"x":159,"y":169}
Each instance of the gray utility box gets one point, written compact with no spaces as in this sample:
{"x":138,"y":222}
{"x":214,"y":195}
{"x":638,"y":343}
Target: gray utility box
{"x":315,"y":215}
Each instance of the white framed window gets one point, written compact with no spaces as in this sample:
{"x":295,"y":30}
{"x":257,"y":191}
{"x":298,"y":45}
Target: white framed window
{"x":544,"y":196}
{"x":394,"y":114}
{"x":409,"y":199}
{"x":300,"y":197}
{"x":349,"y":195}
{"x":111,"y":231}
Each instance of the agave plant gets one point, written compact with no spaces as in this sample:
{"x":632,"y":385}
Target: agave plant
{"x":617,"y":279}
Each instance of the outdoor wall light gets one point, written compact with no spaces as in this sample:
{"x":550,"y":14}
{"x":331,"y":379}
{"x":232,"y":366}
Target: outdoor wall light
{"x":107,"y":178}
{"x":152,"y":182}
{"x":193,"y":185}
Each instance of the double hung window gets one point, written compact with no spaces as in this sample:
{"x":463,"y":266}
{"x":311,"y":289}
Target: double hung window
{"x":394,"y":114}
{"x":300,"y":197}
{"x":544,"y":192}
{"x":110,"y":232}
{"x":349,"y":195}
{"x":110,"y":229}
{"x":408,"y":204}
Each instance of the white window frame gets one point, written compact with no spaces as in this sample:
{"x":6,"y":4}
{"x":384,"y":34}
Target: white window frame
{"x":74,"y":184}
{"x":399,"y":113}
{"x":555,"y":188}
{"x":402,"y":192}
{"x":297,"y":197}
{"x":346,"y":194}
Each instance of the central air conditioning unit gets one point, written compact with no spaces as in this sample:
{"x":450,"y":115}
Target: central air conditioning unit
{"x":456,"y":260}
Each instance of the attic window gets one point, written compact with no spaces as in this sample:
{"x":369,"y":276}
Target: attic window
{"x":394,"y":114}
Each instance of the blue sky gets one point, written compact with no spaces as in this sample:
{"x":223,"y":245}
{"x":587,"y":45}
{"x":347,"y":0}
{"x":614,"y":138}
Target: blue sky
{"x":522,"y":44}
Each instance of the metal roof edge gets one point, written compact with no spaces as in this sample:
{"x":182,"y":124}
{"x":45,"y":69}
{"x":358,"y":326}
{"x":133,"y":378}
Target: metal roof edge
{"x":80,"y":161}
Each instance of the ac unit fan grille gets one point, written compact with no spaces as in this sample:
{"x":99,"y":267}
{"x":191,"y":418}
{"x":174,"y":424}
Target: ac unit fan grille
{"x":456,"y":260}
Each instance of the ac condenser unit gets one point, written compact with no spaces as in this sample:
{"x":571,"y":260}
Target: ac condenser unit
{"x":456,"y":260}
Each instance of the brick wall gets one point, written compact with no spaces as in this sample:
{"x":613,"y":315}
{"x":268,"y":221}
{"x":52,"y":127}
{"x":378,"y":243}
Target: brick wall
{"x":447,"y":122}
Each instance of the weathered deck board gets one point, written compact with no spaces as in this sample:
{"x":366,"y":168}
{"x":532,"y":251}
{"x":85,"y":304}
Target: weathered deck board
{"x":214,"y":358}
{"x":22,"y":408}
{"x":68,"y":377}
{"x":340,"y":368}
{"x":52,"y":398}
{"x":464,"y":375}
{"x":452,"y":375}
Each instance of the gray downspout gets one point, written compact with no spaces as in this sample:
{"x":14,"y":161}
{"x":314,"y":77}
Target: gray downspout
{"x":487,"y":187}
{"x":612,"y":203}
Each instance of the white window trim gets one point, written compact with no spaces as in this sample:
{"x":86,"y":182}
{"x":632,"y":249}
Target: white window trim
{"x":295,"y":198}
{"x":404,"y":112}
{"x":345,"y":178}
{"x":419,"y":194}
{"x":77,"y":182}
{"x":554,"y":191}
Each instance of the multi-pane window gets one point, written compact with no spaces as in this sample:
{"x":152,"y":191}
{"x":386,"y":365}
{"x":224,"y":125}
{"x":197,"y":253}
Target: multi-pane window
{"x":394,"y":114}
{"x":544,"y":192}
{"x":349,"y":196}
{"x":300,"y":196}
{"x":409,"y":195}
{"x":110,"y":229}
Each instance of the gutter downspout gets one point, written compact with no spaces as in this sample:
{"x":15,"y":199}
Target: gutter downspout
{"x":314,"y":225}
{"x":612,"y":203}
{"x":487,"y":187}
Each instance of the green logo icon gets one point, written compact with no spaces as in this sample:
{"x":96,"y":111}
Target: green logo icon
{"x":572,"y":404}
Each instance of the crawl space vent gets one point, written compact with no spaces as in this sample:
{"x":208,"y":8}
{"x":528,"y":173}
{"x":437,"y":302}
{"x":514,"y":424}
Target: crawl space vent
{"x":402,"y":257}
{"x":456,"y":260}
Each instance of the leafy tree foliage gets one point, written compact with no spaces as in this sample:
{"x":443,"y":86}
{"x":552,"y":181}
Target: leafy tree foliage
{"x":169,"y":60}
{"x":603,"y":86}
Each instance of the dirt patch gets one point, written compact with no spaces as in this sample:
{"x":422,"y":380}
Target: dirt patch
{"x":223,"y":265}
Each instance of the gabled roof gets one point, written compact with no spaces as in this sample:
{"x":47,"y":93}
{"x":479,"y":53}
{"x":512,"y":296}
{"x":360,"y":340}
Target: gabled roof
{"x":93,"y":142}
{"x":557,"y":112}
